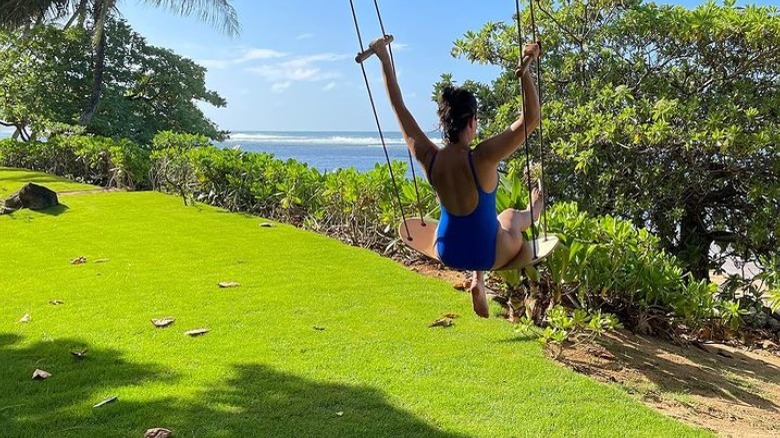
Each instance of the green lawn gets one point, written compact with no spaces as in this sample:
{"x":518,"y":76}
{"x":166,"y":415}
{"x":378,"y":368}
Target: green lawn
{"x":262,"y":370}
{"x":11,"y":180}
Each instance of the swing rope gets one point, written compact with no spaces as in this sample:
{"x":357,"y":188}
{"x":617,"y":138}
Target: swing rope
{"x":408,"y":151}
{"x":541,"y":118}
{"x":525,"y":128}
{"x":376,"y":118}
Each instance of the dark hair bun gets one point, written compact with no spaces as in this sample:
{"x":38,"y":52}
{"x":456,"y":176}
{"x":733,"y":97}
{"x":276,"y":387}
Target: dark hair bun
{"x":456,"y":107}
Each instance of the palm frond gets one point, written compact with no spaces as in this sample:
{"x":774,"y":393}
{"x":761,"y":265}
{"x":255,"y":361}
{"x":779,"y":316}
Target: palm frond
{"x":22,"y":13}
{"x":218,"y":13}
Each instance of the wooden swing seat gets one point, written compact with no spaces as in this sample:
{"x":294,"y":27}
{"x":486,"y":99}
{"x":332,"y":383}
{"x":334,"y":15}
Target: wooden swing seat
{"x":423,"y":240}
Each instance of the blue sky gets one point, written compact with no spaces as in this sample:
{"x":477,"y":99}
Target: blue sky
{"x":292,"y":67}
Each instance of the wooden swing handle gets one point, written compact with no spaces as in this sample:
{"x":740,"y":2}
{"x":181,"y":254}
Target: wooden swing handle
{"x":362,"y":56}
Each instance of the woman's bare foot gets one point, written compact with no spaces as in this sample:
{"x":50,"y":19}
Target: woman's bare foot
{"x":479,"y":296}
{"x":537,"y":201}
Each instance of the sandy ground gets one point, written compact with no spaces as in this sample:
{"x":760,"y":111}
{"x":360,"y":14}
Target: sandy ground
{"x":733,"y":392}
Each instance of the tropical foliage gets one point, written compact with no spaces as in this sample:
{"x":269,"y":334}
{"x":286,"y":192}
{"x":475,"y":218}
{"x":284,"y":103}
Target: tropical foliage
{"x":603,"y":266}
{"x":94,"y":16}
{"x":147,"y":88}
{"x":660,"y":115}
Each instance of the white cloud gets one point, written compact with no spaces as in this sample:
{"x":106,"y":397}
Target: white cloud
{"x":400,"y":46}
{"x":305,"y":36}
{"x":241,"y":56}
{"x":280,"y":86}
{"x":329,"y":86}
{"x":299,"y":69}
{"x":255,"y":53}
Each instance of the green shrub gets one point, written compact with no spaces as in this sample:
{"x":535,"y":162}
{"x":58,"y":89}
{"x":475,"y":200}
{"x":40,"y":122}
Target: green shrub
{"x":95,"y":160}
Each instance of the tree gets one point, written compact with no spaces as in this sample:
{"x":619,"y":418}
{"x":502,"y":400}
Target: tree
{"x":29,"y":13}
{"x":44,"y":80}
{"x":666,"y":116}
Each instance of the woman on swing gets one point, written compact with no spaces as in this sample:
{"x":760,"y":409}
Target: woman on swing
{"x":469,"y":235}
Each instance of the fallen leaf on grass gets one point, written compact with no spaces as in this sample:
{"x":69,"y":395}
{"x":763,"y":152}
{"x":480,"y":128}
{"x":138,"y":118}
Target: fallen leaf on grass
{"x":196,"y":332}
{"x":318,"y":328}
{"x":442,"y":322}
{"x":340,"y":413}
{"x":101,"y":260}
{"x":451,"y":315}
{"x":158,"y":432}
{"x":106,"y":401}
{"x":79,"y":354}
{"x":460,"y":285}
{"x":266,"y":225}
{"x":227,"y":284}
{"x":56,"y":302}
{"x":40,"y":375}
{"x":78,"y":261}
{"x":26,"y":318}
{"x":162,"y":322}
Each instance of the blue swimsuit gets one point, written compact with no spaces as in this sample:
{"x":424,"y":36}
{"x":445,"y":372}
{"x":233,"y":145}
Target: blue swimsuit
{"x":469,"y":242}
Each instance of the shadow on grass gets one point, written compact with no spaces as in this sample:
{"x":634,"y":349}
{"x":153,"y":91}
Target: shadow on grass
{"x":255,"y":401}
{"x":261,"y":401}
{"x":54,"y":211}
{"x":690,"y":370}
{"x":51,"y":211}
{"x":51,"y":407}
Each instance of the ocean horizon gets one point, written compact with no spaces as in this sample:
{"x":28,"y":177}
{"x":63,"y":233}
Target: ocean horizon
{"x":328,"y":150}
{"x":324,"y":150}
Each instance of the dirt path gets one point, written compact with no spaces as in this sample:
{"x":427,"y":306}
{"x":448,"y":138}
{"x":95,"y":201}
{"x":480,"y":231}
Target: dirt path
{"x":733,"y":392}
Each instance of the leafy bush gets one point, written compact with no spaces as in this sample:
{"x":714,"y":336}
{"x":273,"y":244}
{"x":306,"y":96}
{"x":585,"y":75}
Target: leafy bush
{"x":564,"y":327}
{"x":359,"y":208}
{"x":95,"y":160}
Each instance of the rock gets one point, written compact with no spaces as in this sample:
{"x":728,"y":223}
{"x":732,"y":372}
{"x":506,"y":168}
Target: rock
{"x":13,"y":203}
{"x":32,"y":196}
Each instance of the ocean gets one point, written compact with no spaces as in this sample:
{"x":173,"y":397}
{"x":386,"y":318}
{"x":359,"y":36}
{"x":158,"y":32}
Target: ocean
{"x":327,"y":151}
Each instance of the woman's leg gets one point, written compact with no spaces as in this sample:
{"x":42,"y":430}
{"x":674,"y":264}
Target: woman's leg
{"x":513,"y":222}
{"x":478,"y":294}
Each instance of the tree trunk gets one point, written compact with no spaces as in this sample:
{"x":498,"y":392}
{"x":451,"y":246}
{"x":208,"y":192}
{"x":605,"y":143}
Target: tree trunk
{"x":695,"y":243}
{"x":99,"y":67}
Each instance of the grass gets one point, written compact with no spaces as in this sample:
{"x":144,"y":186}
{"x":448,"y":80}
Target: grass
{"x":262,"y":370}
{"x":11,"y":180}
